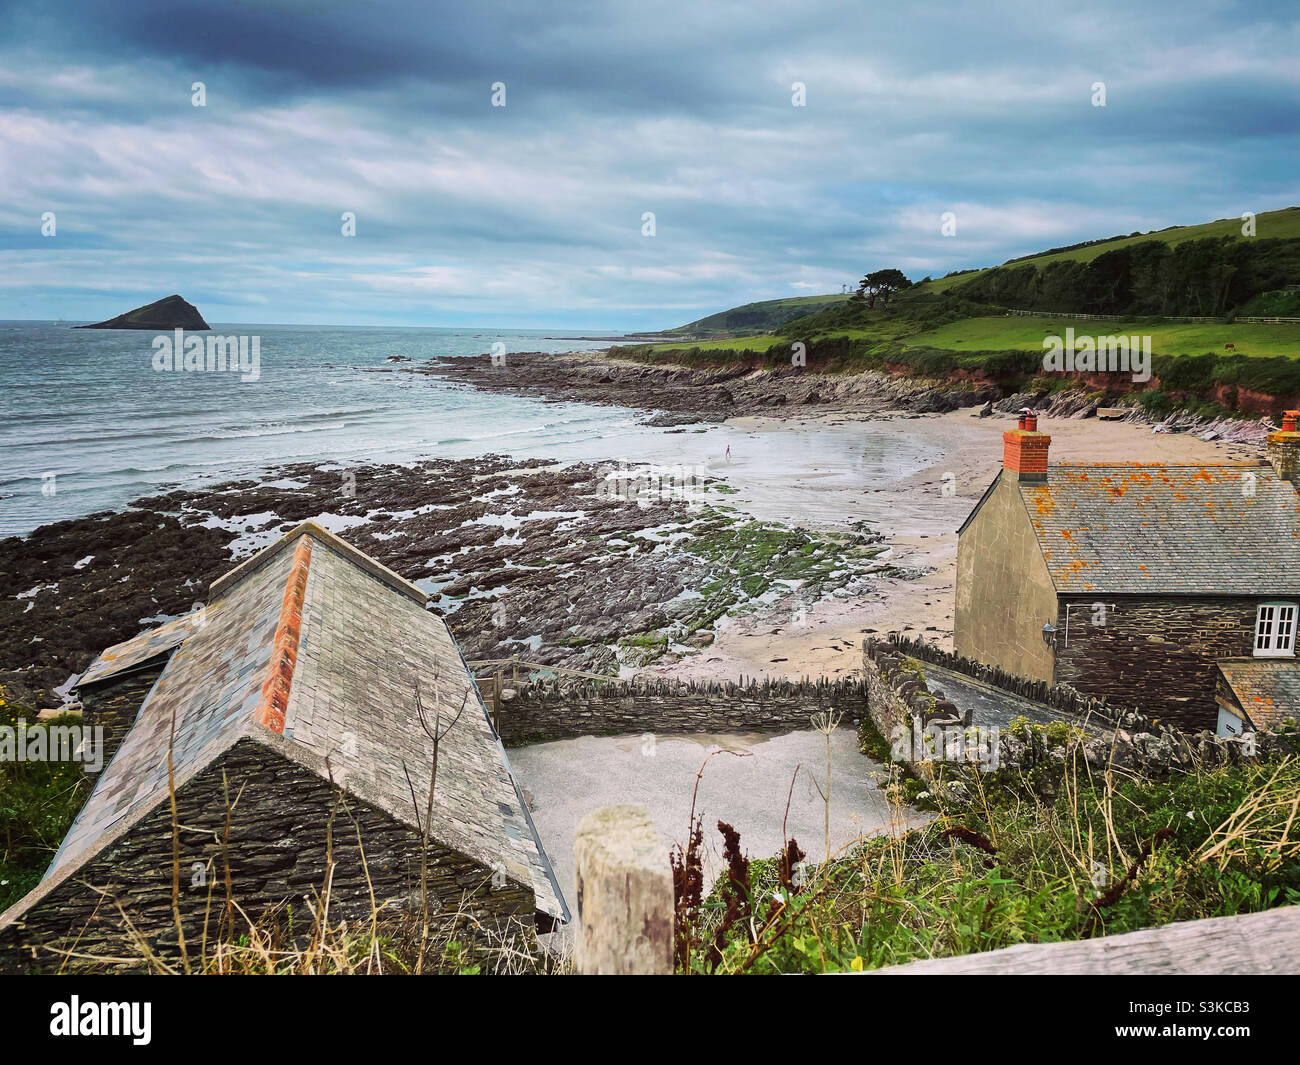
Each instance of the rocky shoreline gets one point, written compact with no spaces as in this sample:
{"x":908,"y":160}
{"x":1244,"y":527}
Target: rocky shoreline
{"x":601,"y":568}
{"x":593,"y":567}
{"x":678,"y":395}
{"x":681,"y":395}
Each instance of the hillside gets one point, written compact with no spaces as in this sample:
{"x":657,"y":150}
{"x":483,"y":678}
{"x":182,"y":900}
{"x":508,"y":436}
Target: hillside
{"x":1145,"y":285}
{"x":759,"y":317}
{"x":982,"y":285}
{"x":1283,"y":225}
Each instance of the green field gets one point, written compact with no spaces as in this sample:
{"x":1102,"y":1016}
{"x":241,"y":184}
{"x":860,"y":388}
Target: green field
{"x":1281,"y":224}
{"x":1026,"y":334}
{"x":1199,"y":338}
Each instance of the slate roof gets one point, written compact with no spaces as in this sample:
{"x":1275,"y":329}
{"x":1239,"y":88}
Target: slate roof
{"x":1167,"y":530}
{"x":124,"y":656}
{"x":1267,"y":689}
{"x":364,"y":642}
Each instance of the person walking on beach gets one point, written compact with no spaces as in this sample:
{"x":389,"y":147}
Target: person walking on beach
{"x":728,"y":452}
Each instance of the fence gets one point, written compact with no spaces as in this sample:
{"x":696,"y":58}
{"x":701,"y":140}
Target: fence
{"x":1131,"y":317}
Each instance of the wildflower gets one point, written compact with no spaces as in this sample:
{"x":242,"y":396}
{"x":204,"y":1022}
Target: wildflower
{"x":856,"y":964}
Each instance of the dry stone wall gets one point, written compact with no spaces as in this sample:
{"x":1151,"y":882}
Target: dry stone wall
{"x":551,"y":710}
{"x":899,"y":698}
{"x":114,"y":704}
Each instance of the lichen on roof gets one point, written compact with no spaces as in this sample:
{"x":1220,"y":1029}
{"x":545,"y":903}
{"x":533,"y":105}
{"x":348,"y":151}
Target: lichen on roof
{"x":1208,"y":530}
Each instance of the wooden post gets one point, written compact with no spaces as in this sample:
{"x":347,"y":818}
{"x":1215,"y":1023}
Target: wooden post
{"x":624,"y":919}
{"x":514,"y":676}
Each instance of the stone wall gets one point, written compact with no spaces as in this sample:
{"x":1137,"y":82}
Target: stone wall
{"x":899,"y":695}
{"x":549,"y":710}
{"x":280,"y":828}
{"x":113,"y":705}
{"x":1063,"y":697}
{"x":1164,"y":647}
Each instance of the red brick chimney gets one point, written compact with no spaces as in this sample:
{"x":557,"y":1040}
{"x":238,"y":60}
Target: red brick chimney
{"x":1024,"y":449}
{"x":1283,"y":447}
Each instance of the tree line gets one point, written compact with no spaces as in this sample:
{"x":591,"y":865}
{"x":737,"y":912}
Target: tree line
{"x":1211,"y":277}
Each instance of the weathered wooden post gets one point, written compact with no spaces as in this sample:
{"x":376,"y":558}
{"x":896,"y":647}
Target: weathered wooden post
{"x":624,"y":920}
{"x":514,"y":675}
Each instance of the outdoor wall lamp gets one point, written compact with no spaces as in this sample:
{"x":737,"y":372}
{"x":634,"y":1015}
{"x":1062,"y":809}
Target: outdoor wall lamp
{"x":1049,"y":634}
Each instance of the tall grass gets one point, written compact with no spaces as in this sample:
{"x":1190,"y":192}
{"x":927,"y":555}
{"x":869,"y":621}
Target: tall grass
{"x":1104,"y":853}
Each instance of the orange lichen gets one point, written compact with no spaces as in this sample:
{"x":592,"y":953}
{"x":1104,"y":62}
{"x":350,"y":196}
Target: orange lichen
{"x":284,"y":653}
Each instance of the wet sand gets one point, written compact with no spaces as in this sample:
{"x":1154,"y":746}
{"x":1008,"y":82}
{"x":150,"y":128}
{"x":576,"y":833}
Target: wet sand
{"x":809,"y":471}
{"x":747,"y":785}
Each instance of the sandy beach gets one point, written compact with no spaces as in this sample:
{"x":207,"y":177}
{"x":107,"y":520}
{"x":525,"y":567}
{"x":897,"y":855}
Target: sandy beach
{"x":919,"y":521}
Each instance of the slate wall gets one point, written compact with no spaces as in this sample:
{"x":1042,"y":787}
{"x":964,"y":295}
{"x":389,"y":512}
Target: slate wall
{"x":899,"y":692}
{"x":276,"y":853}
{"x":1158,"y":651}
{"x":114,"y":704}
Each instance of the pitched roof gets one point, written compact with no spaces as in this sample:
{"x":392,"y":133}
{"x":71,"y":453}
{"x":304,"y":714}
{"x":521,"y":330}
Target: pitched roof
{"x":319,"y":656}
{"x":1168,"y":530}
{"x":125,"y":656}
{"x":1267,"y":689}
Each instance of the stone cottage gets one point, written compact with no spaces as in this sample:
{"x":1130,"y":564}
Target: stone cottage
{"x":296,"y":709}
{"x":1144,"y":584}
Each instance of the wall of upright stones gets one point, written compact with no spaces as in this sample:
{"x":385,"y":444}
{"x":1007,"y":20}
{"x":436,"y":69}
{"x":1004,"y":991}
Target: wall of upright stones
{"x":898,"y":695}
{"x":1061,"y":697}
{"x":548,"y":710}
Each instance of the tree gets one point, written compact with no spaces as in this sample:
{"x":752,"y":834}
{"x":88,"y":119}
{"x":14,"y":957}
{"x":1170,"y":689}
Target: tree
{"x":882,"y":283}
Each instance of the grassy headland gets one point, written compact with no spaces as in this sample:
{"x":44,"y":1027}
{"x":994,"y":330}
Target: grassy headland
{"x":959,"y":326}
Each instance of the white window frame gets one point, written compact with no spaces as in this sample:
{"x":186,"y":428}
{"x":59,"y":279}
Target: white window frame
{"x":1275,"y":629}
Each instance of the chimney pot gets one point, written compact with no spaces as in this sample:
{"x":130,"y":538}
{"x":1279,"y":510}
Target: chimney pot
{"x":1024,"y":450}
{"x":1289,"y":418}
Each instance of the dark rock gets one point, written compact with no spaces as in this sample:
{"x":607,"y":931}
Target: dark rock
{"x":171,"y":312}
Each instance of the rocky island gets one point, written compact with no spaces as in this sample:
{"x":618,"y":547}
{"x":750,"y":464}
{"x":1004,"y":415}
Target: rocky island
{"x":171,"y":312}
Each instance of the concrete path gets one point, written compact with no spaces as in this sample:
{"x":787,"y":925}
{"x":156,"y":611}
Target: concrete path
{"x":747,"y":788}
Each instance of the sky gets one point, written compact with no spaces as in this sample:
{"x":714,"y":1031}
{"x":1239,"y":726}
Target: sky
{"x":534,"y":214}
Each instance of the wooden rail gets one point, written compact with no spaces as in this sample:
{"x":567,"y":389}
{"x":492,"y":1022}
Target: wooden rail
{"x":1265,"y":943}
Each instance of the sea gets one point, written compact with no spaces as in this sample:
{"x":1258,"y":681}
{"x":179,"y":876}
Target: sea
{"x":90,"y":423}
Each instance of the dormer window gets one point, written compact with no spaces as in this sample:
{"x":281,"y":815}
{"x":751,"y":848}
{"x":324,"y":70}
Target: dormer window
{"x":1275,"y":630}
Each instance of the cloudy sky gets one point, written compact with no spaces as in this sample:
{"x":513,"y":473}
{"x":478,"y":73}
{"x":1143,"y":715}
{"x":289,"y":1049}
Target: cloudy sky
{"x":531,"y":214}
